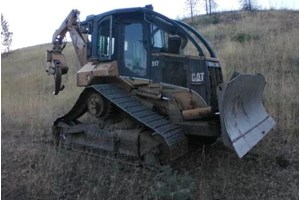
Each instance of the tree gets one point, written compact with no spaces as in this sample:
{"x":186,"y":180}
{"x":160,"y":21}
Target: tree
{"x":247,"y":4}
{"x":192,"y":7}
{"x":6,"y":35}
{"x":210,"y":6}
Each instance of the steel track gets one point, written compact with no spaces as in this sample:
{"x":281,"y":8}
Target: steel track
{"x":171,"y":134}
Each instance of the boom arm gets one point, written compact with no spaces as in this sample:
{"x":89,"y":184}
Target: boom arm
{"x":71,"y":25}
{"x":56,"y":62}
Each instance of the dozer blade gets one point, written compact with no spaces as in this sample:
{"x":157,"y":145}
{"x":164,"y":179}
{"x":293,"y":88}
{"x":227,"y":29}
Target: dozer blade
{"x":244,"y":121}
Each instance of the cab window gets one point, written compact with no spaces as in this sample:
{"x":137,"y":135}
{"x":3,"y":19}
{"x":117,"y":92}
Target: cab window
{"x":135,"y":53}
{"x":106,"y":41}
{"x":157,"y":37}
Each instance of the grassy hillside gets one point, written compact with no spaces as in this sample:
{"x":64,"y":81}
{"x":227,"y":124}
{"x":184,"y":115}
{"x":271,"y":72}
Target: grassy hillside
{"x":263,"y":42}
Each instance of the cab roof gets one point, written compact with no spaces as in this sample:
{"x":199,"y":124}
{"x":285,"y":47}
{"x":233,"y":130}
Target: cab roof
{"x":175,"y":25}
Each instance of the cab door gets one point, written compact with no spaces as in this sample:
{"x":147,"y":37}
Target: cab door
{"x":134,"y":59}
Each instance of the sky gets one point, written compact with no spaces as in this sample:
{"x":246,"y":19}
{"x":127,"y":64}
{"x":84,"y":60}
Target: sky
{"x":33,"y":22}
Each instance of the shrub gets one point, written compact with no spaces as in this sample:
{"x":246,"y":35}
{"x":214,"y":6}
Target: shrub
{"x":244,"y":37}
{"x":172,"y":185}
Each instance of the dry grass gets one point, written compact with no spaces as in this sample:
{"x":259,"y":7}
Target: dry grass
{"x":258,"y":42}
{"x":266,"y":43}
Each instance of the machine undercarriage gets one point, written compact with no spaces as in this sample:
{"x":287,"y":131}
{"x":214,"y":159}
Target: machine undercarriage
{"x":120,"y":124}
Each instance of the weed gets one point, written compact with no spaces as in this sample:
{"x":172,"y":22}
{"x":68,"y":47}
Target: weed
{"x":244,"y":37}
{"x":172,"y":185}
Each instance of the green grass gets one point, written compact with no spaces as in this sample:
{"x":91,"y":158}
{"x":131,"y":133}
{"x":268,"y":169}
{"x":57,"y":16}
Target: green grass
{"x":263,"y":42}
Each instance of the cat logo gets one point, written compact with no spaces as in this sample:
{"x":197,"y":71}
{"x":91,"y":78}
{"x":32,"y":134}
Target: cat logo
{"x":198,"y":77}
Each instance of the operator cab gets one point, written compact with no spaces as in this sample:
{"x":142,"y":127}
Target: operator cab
{"x":148,"y":45}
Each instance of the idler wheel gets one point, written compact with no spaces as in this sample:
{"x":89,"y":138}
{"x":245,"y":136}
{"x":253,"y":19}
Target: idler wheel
{"x":98,"y":106}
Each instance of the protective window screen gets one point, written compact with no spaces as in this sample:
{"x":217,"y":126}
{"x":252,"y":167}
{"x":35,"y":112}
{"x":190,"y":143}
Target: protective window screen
{"x":106,"y":44}
{"x":135,"y":54}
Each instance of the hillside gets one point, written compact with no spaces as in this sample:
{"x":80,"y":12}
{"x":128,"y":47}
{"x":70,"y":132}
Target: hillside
{"x":263,"y":42}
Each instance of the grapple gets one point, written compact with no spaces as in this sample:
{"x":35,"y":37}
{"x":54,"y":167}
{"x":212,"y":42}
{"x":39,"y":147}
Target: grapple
{"x":244,"y":121}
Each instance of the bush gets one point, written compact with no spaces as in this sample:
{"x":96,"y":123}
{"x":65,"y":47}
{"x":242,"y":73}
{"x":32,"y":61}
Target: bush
{"x":244,"y":37}
{"x":171,"y":185}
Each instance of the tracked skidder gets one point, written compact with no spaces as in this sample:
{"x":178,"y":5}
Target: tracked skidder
{"x":151,"y":86}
